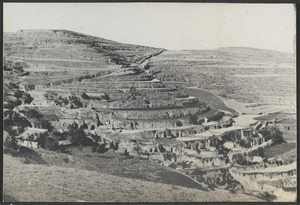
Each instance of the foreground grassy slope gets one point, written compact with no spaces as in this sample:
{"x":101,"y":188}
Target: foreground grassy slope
{"x":35,"y":182}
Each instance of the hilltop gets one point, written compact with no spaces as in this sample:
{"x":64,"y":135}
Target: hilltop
{"x":57,"y":45}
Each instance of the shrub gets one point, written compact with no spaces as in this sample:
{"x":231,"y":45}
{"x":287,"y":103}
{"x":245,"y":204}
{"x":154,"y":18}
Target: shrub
{"x":9,"y":144}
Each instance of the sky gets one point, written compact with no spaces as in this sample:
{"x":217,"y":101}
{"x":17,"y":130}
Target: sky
{"x":173,"y":26}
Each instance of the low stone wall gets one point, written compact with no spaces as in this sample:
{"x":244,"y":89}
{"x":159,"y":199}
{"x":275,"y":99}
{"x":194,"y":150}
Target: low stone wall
{"x":249,"y":180}
{"x":140,"y":77}
{"x":203,"y":161}
{"x":98,"y":90}
{"x":65,"y":81}
{"x":115,"y":85}
{"x":140,"y":103}
{"x":149,"y":96}
{"x":90,"y":124}
{"x":159,"y":114}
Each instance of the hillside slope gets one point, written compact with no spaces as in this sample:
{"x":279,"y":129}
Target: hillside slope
{"x":245,"y":74}
{"x":32,"y":182}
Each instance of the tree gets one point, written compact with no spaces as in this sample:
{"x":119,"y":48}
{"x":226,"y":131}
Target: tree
{"x":94,"y":148}
{"x":76,"y":136}
{"x":111,"y":145}
{"x":217,"y":116}
{"x":9,"y":144}
{"x":73,"y":126}
{"x":194,"y":119}
{"x":31,"y":113}
{"x":96,"y":138}
{"x":47,"y":125}
{"x":65,"y":101}
{"x":10,"y":131}
{"x":58,"y":135}
{"x":106,"y":97}
{"x":116,"y":146}
{"x":42,"y":140}
{"x":101,"y":148}
{"x":239,"y":159}
{"x":126,"y":153}
{"x":27,"y":98}
{"x":138,"y":150}
{"x":21,"y":121}
{"x":85,"y":96}
{"x":134,"y":92}
{"x":77,"y":103}
{"x":272,"y":133}
{"x":179,"y":123}
{"x":18,"y":67}
{"x":161,"y":148}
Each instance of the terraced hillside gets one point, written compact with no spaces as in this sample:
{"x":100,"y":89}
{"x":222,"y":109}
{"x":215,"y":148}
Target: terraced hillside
{"x":49,"y":53}
{"x":121,"y":109}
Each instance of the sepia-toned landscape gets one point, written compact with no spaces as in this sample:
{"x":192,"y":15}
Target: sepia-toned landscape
{"x":90,"y":119}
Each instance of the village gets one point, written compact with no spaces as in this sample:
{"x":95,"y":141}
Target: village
{"x":142,"y":117}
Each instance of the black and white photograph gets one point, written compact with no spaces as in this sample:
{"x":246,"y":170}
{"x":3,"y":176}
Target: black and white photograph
{"x":149,"y":102}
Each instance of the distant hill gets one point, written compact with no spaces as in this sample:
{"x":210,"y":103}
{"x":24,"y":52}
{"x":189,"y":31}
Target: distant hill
{"x":245,"y":54}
